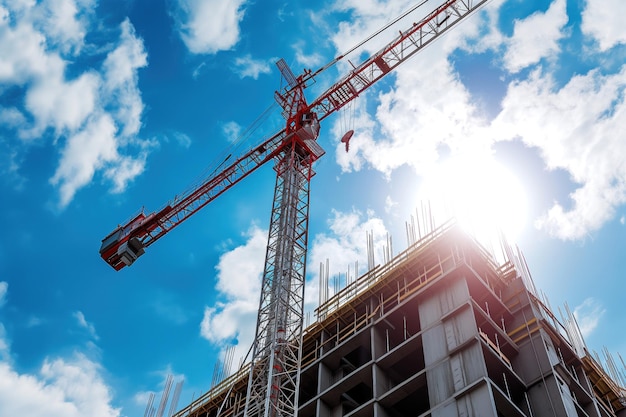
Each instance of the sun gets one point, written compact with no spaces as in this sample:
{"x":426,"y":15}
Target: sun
{"x":483,"y":195}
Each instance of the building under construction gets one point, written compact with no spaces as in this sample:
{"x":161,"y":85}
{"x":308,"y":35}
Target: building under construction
{"x":442,"y":329}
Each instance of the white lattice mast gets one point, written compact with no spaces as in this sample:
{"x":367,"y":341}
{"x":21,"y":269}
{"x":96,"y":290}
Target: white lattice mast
{"x":273,"y":382}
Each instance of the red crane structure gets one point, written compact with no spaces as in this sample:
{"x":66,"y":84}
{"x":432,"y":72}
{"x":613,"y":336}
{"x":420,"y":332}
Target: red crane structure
{"x":276,"y":354}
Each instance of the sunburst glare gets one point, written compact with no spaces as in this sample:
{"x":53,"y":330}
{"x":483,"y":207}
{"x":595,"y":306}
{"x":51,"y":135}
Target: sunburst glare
{"x":480,"y":193}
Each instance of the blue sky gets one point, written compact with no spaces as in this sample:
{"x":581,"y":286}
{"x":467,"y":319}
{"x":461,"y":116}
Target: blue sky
{"x":107,"y":107}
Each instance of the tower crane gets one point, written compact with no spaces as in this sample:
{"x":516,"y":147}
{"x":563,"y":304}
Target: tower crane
{"x":274,"y":376}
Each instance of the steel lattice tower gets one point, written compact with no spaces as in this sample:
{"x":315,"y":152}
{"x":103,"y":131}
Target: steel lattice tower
{"x":273,"y":381}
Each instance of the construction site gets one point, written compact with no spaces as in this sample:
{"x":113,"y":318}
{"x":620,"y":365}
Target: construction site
{"x":443,"y":329}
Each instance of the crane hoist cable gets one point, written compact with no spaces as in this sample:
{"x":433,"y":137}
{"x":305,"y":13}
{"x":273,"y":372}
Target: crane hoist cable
{"x":364,"y":41}
{"x":234,"y":148}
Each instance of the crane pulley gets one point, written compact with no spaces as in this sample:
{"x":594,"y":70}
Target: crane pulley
{"x":273,"y":381}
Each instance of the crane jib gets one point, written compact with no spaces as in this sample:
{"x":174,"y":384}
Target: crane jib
{"x":126,"y":242}
{"x":404,"y":46}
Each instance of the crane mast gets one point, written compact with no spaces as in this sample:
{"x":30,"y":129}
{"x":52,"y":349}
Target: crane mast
{"x":273,"y":380}
{"x":274,"y":377}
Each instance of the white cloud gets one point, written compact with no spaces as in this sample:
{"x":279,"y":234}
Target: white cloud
{"x":246,"y":66}
{"x":240,"y":280}
{"x":11,"y":117}
{"x":588,"y":315}
{"x":209,"y":26}
{"x":5,"y":352}
{"x":182,"y":139}
{"x":576,"y":128}
{"x":65,"y":22}
{"x":93,"y":116}
{"x":363,"y":126}
{"x":82,"y":322}
{"x":86,"y":151}
{"x":120,"y":78}
{"x":389,"y":204}
{"x":126,"y":168}
{"x":429,"y":108}
{"x":198,"y":70}
{"x":536,"y":37}
{"x":574,"y":123}
{"x":63,"y":105}
{"x":310,"y":60}
{"x":142,"y":398}
{"x":603,"y":20}
{"x":34,"y":321}
{"x":23,"y":51}
{"x":233,"y":318}
{"x":366,"y":17}
{"x":344,"y":247}
{"x":65,"y":388}
{"x":10,"y":162}
{"x":38,"y":29}
{"x":232,"y":131}
{"x":4,"y":287}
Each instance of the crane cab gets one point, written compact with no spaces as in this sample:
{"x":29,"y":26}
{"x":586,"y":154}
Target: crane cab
{"x":306,"y":135}
{"x":309,"y":127}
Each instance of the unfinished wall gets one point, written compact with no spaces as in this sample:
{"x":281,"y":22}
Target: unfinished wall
{"x":440,"y":331}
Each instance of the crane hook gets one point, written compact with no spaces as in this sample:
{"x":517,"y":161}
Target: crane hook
{"x":346,"y":138}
